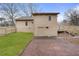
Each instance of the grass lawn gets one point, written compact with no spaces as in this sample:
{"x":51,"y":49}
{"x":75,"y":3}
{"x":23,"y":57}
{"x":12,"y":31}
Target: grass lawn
{"x":14,"y":43}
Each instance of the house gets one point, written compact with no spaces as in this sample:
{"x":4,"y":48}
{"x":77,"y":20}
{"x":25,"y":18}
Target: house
{"x":24,"y":24}
{"x":41,"y":24}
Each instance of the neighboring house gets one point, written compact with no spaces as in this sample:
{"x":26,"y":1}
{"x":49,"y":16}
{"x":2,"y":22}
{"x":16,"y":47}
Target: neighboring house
{"x":41,"y":24}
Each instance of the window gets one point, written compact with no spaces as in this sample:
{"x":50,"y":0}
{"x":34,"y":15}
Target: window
{"x":49,"y":18}
{"x":26,"y":23}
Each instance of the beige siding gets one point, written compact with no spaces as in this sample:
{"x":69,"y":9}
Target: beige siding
{"x":21,"y":27}
{"x":40,"y":24}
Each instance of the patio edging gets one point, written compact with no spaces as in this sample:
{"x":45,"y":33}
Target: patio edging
{"x":24,"y":48}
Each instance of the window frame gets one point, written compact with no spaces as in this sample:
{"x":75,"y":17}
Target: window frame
{"x":49,"y":18}
{"x":26,"y":23}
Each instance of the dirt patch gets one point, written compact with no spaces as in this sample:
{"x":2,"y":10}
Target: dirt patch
{"x":75,"y":42}
{"x":69,"y":37}
{"x":65,"y":35}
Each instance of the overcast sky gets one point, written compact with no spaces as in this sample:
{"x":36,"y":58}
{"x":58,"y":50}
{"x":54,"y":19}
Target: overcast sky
{"x":57,"y":7}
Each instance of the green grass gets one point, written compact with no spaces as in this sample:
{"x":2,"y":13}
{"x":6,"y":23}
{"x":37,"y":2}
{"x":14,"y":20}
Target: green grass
{"x":14,"y":43}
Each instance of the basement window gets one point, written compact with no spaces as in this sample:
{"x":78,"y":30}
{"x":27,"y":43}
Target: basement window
{"x":49,"y":18}
{"x":26,"y":23}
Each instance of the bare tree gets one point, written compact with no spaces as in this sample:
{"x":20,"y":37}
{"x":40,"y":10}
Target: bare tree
{"x":12,"y":10}
{"x":9,"y":10}
{"x":29,"y":8}
{"x":72,"y":16}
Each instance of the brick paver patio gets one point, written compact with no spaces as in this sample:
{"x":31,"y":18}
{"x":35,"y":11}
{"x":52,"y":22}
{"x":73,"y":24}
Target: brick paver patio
{"x":51,"y":47}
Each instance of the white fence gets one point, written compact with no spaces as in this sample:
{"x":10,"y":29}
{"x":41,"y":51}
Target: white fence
{"x":7,"y":30}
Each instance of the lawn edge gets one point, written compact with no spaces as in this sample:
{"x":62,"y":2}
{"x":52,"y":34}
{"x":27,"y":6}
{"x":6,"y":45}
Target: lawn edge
{"x":21,"y":52}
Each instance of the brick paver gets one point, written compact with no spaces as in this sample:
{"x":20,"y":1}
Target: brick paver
{"x":51,"y":47}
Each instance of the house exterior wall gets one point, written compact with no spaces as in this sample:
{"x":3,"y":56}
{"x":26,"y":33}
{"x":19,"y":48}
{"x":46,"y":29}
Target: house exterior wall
{"x":41,"y":22}
{"x":21,"y":26}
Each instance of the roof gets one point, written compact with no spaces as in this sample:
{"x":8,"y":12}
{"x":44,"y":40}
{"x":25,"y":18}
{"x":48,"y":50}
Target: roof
{"x":24,"y":18}
{"x":46,"y":13}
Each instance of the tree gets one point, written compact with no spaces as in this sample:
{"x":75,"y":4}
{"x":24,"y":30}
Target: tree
{"x":29,"y":8}
{"x":9,"y":10}
{"x":72,"y":15}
